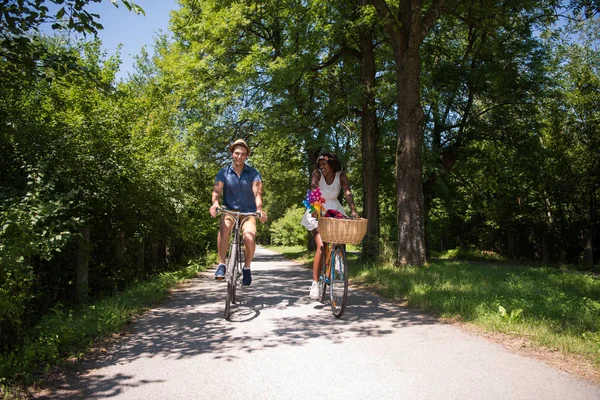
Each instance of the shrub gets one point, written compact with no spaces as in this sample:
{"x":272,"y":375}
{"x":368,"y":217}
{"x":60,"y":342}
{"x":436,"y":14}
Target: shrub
{"x":287,"y":230}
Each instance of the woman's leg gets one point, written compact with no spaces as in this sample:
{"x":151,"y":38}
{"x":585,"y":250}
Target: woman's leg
{"x":318,"y":260}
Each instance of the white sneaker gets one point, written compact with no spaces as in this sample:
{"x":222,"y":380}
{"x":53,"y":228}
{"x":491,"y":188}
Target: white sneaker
{"x":314,"y":291}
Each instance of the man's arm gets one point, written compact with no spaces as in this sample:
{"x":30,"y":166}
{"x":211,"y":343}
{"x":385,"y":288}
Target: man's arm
{"x":257,"y":190}
{"x":216,"y":197}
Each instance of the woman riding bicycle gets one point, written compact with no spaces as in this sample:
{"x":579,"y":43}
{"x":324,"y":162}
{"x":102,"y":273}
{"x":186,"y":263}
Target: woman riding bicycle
{"x":330,"y":179}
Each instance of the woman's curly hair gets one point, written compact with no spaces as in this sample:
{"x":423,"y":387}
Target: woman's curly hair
{"x":331,"y":159}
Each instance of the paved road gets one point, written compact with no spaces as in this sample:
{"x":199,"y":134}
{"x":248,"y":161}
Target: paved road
{"x":281,"y":345}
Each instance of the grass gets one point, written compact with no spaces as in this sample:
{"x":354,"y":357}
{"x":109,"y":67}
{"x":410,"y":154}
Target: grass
{"x":551,"y":307}
{"x":66,"y":334}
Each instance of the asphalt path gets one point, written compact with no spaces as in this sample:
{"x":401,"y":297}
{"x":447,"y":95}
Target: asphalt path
{"x":280,"y":344}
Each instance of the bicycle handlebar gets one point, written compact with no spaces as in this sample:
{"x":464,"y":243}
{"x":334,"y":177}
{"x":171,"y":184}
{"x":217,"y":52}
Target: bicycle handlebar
{"x":232,"y":212}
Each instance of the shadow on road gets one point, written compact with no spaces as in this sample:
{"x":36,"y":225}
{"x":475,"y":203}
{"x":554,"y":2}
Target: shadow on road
{"x":191,"y":323}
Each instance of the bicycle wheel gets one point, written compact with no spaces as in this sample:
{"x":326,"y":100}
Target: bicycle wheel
{"x":338,"y":282}
{"x":231,"y":276}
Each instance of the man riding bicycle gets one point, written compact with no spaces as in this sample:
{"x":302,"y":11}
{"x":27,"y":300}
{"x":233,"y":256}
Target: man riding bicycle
{"x":240,"y":186}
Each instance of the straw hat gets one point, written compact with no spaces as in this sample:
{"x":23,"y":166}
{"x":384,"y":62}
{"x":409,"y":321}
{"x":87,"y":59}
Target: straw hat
{"x":239,"y":142}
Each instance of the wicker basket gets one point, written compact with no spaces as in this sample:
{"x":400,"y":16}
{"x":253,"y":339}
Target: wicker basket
{"x":334,"y":230}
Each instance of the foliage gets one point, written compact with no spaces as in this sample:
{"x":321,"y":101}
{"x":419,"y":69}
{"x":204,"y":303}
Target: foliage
{"x":79,"y":155}
{"x":287,"y":231}
{"x":471,"y":254}
{"x":510,"y":151}
{"x":67,"y":332}
{"x":34,"y":226}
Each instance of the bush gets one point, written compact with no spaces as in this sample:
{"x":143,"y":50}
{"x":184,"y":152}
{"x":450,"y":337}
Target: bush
{"x":471,"y":254}
{"x":287,"y":230}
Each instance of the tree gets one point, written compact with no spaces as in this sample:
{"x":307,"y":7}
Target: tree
{"x":407,"y":26}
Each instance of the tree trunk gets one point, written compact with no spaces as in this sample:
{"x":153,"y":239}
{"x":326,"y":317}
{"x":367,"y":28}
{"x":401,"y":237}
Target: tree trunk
{"x":409,"y":183}
{"x":546,"y":248}
{"x":140,"y":255}
{"x":407,"y":28}
{"x":163,"y":249}
{"x":83,"y":259}
{"x":119,"y":249}
{"x":589,"y":247}
{"x":369,"y":143}
{"x":154,"y":255}
{"x":511,"y":245}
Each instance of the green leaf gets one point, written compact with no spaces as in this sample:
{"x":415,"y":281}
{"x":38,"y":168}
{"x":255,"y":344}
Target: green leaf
{"x":60,"y":13}
{"x":502,"y":311}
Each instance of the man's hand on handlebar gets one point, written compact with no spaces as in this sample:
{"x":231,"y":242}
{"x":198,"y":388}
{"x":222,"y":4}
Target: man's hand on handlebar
{"x":262,"y":216}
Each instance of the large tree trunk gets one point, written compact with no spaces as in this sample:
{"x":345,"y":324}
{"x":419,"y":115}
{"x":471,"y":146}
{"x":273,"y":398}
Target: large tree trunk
{"x":409,"y":165}
{"x":407,"y":28}
{"x":369,"y":143}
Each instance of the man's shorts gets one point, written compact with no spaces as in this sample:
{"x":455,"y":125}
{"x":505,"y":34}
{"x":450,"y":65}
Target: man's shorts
{"x":248,"y":223}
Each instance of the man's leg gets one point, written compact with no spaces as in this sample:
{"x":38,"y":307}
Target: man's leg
{"x":223,"y":238}
{"x":249,"y":248}
{"x":222,"y":245}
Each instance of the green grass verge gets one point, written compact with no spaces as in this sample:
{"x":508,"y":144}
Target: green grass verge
{"x":69,"y":333}
{"x":551,"y":307}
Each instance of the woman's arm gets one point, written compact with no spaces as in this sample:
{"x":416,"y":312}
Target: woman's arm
{"x":314,"y":179}
{"x":345,"y":183}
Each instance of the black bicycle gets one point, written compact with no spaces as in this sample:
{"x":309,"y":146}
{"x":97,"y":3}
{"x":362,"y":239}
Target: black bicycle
{"x":235,"y":257}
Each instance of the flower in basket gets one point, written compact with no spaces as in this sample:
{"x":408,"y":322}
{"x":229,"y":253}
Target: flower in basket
{"x":335,"y":214}
{"x":314,"y":201}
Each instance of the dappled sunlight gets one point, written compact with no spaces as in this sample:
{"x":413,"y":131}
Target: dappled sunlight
{"x":275,"y":311}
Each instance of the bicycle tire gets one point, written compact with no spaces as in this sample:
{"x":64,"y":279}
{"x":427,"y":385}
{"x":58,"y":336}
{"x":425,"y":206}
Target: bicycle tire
{"x":338,"y":282}
{"x":322,"y":286}
{"x":230,"y":276}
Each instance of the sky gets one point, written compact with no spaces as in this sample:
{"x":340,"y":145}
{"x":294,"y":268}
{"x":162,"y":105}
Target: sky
{"x":132,"y":30}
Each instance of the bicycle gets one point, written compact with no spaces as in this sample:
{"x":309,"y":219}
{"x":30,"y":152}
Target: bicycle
{"x":334,"y":275}
{"x":235,"y":257}
{"x":336,"y":233}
